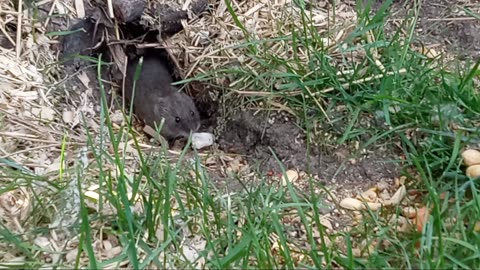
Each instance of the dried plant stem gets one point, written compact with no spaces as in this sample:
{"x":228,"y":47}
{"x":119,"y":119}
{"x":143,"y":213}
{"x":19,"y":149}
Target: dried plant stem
{"x":19,"y":28}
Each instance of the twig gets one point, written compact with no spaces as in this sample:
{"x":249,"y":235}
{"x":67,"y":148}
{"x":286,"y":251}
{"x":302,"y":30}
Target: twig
{"x":36,"y":84}
{"x":9,"y":12}
{"x":50,"y":12}
{"x":31,"y":149}
{"x":123,"y":81}
{"x":80,"y":9}
{"x":327,"y":90}
{"x":110,"y":9}
{"x":186,"y":4}
{"x":359,"y":81}
{"x":438,"y":19}
{"x":19,"y":27}
{"x":452,"y":19}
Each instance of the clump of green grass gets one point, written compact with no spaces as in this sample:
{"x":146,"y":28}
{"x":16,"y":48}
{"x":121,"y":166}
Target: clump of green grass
{"x":434,"y":99}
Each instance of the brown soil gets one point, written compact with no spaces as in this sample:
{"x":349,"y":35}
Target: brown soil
{"x":342,"y":166}
{"x":442,"y":22}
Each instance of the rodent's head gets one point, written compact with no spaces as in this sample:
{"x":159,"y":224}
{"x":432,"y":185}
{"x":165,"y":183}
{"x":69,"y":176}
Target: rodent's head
{"x":181,"y":115}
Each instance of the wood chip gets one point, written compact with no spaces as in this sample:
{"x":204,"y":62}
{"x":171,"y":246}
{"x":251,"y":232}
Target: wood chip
{"x":80,"y":9}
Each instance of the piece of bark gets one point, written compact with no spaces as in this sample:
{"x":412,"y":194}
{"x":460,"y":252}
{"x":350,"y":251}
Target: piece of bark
{"x":128,"y":11}
{"x":171,"y":15}
{"x":84,"y":40}
{"x":171,"y":18}
{"x":5,"y":42}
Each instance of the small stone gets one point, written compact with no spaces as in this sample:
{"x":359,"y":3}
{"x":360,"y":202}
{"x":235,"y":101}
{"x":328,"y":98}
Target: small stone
{"x":115,"y":251}
{"x":202,"y":139}
{"x":351,"y":204}
{"x":369,"y":196}
{"x":356,"y":252}
{"x":473,"y":171}
{"x":128,"y":10}
{"x":409,"y":212}
{"x":471,"y":157}
{"x":292,"y":176}
{"x":204,"y":37}
{"x":384,"y":195}
{"x":374,"y":206}
{"x":357,"y":215}
{"x":41,"y":241}
{"x":47,"y":113}
{"x":326,"y":223}
{"x":117,"y":117}
{"x":326,"y":41}
{"x":401,"y":223}
{"x":386,"y":243}
{"x":107,"y":245}
{"x":68,"y":117}
{"x":421,"y":218}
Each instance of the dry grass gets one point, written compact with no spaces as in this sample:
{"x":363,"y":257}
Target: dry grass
{"x":267,"y":25}
{"x":36,"y":115}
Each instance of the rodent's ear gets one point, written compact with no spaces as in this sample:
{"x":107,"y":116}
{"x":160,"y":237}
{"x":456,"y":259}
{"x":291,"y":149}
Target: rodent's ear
{"x":160,"y":107}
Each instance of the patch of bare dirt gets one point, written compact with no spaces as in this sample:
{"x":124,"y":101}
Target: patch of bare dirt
{"x":342,"y":166}
{"x":442,"y":22}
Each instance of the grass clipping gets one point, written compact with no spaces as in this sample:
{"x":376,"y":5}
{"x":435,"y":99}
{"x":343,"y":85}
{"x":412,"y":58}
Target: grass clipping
{"x":217,"y":40}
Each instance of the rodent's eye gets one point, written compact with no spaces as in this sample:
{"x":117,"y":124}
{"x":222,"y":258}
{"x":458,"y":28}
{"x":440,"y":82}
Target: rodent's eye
{"x":177,"y":119}
{"x":192,"y":113}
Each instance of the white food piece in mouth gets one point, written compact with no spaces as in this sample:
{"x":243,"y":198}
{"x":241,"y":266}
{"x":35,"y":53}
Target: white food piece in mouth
{"x":202,"y":139}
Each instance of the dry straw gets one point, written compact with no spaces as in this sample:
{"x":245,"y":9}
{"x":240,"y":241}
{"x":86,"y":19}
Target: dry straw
{"x":46,"y":113}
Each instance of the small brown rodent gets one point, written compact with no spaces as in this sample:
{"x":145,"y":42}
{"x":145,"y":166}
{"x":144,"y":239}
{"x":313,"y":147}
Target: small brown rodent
{"x":155,"y":98}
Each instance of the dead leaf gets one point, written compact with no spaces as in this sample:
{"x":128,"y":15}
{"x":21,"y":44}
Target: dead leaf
{"x":421,"y":218}
{"x":71,"y":255}
{"x":398,"y":196}
{"x":41,"y":242}
{"x":107,"y":245}
{"x":351,"y":204}
{"x":326,"y":223}
{"x":83,"y":77}
{"x":370,"y":195}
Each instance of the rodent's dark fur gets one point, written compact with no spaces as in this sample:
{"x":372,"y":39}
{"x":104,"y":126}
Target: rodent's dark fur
{"x":155,"y":98}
